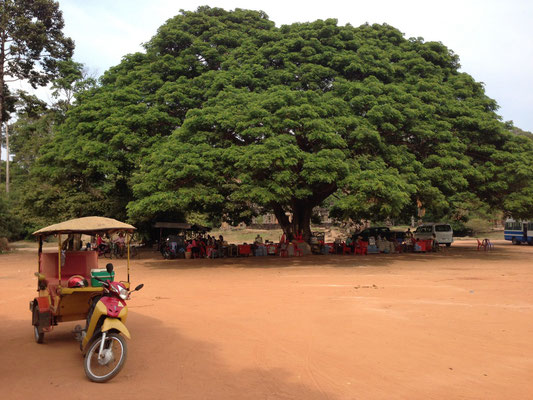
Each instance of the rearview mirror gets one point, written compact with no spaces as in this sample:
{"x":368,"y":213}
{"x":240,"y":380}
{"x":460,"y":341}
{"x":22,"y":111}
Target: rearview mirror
{"x":139,"y":287}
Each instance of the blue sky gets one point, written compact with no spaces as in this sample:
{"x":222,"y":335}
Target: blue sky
{"x":494,"y":39}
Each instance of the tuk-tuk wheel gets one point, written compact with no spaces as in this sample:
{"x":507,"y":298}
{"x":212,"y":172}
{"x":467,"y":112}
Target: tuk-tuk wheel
{"x":38,"y":333}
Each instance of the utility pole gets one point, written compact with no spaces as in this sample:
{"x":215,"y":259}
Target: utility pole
{"x":7,"y":159}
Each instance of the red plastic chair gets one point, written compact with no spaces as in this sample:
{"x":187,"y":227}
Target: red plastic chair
{"x":297,"y":250}
{"x":362,"y":248}
{"x":481,"y":244}
{"x":245,"y":250}
{"x":346,"y":249}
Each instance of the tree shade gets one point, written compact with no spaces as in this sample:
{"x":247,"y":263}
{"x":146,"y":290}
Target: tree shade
{"x":227,"y":115}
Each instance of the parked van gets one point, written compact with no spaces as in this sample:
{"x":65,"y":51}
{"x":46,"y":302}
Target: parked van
{"x":443,"y":232}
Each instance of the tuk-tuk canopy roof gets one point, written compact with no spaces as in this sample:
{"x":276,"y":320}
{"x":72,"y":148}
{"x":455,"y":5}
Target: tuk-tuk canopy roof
{"x":86,"y":225}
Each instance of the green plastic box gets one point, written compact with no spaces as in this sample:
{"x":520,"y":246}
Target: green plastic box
{"x":102,"y":274}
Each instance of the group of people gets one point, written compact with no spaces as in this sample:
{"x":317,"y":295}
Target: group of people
{"x":100,"y":242}
{"x":207,"y":246}
{"x":410,"y":243}
{"x":379,"y":244}
{"x":390,"y":243}
{"x":177,"y":246}
{"x":73,"y":242}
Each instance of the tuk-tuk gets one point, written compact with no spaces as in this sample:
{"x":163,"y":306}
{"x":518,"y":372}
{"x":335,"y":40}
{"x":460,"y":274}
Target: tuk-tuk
{"x":72,"y":287}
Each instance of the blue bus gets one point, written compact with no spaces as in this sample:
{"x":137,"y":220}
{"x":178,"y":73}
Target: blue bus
{"x":519,"y":231}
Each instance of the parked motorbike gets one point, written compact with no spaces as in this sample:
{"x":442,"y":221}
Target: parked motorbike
{"x":102,"y":341}
{"x":105,"y":250}
{"x":169,"y":250}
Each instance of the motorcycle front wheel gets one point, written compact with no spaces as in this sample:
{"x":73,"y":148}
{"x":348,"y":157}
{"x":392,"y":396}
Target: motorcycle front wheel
{"x":114,"y":356}
{"x":37,"y":332}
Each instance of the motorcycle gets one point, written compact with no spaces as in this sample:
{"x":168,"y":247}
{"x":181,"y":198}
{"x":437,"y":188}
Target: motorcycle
{"x":101,"y":342}
{"x":169,"y":250}
{"x":104,"y":250}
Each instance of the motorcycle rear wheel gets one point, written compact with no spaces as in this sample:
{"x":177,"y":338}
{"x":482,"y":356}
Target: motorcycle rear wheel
{"x":108,"y":253}
{"x":102,"y":371}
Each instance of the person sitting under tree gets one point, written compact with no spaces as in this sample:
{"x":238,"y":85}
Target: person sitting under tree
{"x":120,"y":242}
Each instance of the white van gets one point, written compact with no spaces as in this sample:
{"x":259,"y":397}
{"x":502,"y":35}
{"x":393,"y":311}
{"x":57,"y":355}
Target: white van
{"x":443,"y":232}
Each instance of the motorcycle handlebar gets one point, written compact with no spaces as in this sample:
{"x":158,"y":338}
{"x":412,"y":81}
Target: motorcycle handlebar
{"x":101,"y":280}
{"x":106,"y":282}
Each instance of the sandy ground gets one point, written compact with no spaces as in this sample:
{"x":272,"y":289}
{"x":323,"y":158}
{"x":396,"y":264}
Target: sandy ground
{"x":453,"y":325}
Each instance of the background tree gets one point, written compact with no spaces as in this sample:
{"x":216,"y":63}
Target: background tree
{"x":72,"y":78}
{"x":31,"y":42}
{"x":519,"y":132}
{"x":9,"y":107}
{"x":10,"y":223}
{"x":227,"y":115}
{"x":35,"y":125}
{"x":32,"y":128}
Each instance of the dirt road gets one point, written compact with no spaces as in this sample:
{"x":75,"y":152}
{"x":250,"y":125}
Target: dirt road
{"x":453,"y":325}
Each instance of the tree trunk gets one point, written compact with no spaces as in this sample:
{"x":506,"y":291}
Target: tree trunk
{"x":300,"y":221}
{"x":2,"y":70}
{"x":7,"y":159}
{"x":301,"y":211}
{"x":282,"y":218}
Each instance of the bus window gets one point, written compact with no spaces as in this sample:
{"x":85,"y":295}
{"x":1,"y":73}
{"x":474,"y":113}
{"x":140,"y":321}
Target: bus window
{"x":513,"y":226}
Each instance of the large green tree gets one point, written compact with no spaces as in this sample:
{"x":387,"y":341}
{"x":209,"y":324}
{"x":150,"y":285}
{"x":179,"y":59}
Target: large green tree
{"x":36,"y":121}
{"x":227,"y":115}
{"x":31,"y":42}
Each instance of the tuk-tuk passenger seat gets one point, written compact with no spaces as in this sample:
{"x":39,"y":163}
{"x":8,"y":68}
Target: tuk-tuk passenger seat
{"x":76,"y":263}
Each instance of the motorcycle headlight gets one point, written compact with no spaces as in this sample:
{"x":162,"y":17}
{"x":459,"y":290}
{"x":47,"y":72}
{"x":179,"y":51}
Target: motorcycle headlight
{"x":123,"y":293}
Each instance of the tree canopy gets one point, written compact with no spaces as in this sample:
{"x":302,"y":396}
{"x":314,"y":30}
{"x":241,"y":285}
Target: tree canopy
{"x":31,"y":42}
{"x":228,"y":115}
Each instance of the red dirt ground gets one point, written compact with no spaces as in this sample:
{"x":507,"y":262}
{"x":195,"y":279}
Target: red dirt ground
{"x":452,"y":325}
